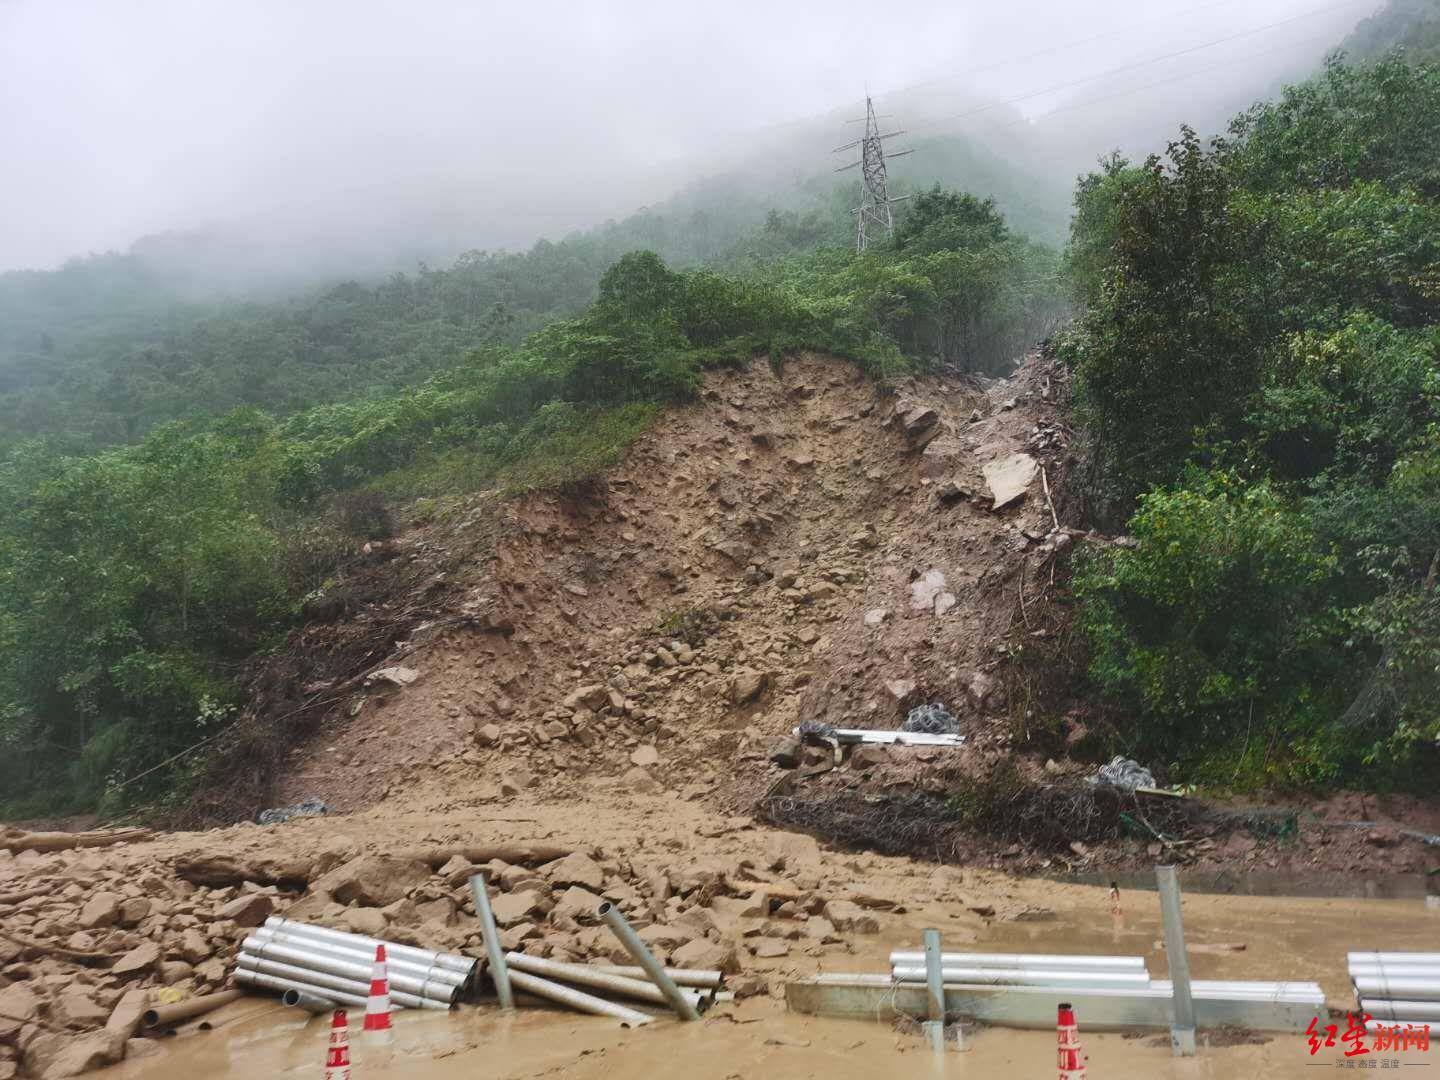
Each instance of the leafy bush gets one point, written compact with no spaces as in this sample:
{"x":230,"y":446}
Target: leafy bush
{"x":1258,"y":367}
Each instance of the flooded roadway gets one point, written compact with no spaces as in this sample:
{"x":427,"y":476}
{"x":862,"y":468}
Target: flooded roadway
{"x":1283,"y":938}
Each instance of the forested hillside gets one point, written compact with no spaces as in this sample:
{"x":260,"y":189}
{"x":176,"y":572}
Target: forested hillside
{"x":1413,"y":25}
{"x":1258,"y":371}
{"x":136,"y":582}
{"x":105,"y":348}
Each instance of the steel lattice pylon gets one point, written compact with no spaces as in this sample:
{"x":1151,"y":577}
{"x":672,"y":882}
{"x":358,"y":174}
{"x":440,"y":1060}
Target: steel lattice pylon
{"x":873,"y":216}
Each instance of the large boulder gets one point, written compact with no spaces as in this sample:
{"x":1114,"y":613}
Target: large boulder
{"x":848,"y":917}
{"x":575,"y":869}
{"x":1009,"y":478}
{"x":55,"y":1055}
{"x":746,"y":686}
{"x":139,"y":959}
{"x":528,"y":905}
{"x":250,"y":910}
{"x":373,"y":880}
{"x":707,"y":956}
{"x":19,"y":1006}
{"x":576,"y":903}
{"x":102,"y":909}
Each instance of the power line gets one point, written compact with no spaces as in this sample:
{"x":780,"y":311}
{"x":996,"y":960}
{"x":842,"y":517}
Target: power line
{"x":1144,"y":63}
{"x":1151,"y":85}
{"x":1068,"y":45}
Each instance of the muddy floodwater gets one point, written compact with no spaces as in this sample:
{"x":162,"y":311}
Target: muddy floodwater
{"x":1282,"y":938}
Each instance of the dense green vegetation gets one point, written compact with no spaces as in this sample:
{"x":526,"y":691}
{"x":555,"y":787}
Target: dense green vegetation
{"x":137,"y":581}
{"x":1413,"y":25}
{"x":1259,"y":372}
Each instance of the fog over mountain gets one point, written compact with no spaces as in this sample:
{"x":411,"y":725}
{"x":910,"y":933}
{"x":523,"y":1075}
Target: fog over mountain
{"x":356,"y":135}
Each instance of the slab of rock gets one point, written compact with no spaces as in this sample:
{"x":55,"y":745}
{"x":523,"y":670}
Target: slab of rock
{"x":576,"y":868}
{"x":75,"y":1008}
{"x":250,"y":910}
{"x":704,"y":955}
{"x":398,"y":676}
{"x":53,"y":1056}
{"x":769,"y":947}
{"x":851,"y":918}
{"x":141,"y":958}
{"x":513,"y":936}
{"x":102,"y":909}
{"x":924,"y":590}
{"x":869,"y":757}
{"x":125,"y":1017}
{"x":19,"y":1006}
{"x":663,"y":938}
{"x":876,"y":616}
{"x":1009,"y":478}
{"x":133,"y":910}
{"x":645,"y":755}
{"x":510,"y":909}
{"x":593,"y":696}
{"x":373,"y":880}
{"x":576,"y":903}
{"x":902,"y":691}
{"x":746,"y":686}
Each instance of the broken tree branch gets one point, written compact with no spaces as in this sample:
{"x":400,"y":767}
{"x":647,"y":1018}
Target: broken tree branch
{"x":1045,"y":483}
{"x":16,"y":840}
{"x":73,"y":955}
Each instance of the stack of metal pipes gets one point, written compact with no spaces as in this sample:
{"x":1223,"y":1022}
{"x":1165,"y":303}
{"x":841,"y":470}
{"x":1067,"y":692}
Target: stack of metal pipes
{"x":624,"y":993}
{"x":1075,"y":973}
{"x":320,"y":968}
{"x":1396,"y":988}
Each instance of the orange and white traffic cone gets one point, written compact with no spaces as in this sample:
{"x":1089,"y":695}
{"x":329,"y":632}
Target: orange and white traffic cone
{"x":377,"y":1005}
{"x":337,"y":1057}
{"x":1072,"y":1054}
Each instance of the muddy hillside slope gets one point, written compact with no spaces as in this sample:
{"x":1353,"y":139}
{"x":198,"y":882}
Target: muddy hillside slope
{"x":794,"y":546}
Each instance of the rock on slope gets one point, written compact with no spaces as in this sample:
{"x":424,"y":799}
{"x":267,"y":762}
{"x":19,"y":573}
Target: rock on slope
{"x":800,"y":546}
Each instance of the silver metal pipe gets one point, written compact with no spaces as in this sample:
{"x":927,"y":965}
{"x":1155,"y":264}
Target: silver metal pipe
{"x":499,"y":973}
{"x":911,"y":958}
{"x":1155,"y":989}
{"x":329,"y":980}
{"x":1397,"y":988}
{"x":1403,"y":971}
{"x":934,"y":992}
{"x":1390,"y":959}
{"x":247,"y":977}
{"x":568,"y":995}
{"x":1415,"y":1012}
{"x":1025,"y":977}
{"x":585,"y":975}
{"x":696,"y":977}
{"x":1243,"y":988}
{"x":309,"y":1002}
{"x":1182,"y":1031}
{"x":642,"y":956}
{"x":361,"y":954}
{"x":463,"y":964}
{"x":356,"y":971}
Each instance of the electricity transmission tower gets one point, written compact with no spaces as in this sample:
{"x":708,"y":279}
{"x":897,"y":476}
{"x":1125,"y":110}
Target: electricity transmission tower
{"x":873,"y":214}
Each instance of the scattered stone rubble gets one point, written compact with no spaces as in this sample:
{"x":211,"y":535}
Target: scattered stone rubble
{"x":97,"y":941}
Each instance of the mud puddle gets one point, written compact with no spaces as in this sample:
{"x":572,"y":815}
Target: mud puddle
{"x":1283,"y":938}
{"x":1315,"y":883}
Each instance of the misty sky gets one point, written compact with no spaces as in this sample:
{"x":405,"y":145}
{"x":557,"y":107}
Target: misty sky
{"x":120,"y":118}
